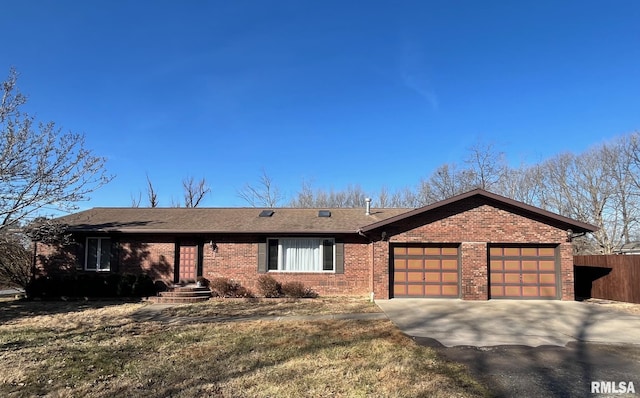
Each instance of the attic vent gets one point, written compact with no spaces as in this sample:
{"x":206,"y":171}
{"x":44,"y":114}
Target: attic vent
{"x":266,"y":213}
{"x":324,"y":213}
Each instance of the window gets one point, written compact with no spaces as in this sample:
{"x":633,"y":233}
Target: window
{"x":301,"y":254}
{"x":98,"y":255}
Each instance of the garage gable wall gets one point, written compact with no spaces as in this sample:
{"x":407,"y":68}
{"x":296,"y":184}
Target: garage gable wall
{"x":474,"y":223}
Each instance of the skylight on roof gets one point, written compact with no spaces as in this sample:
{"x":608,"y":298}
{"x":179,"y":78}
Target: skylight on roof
{"x":266,"y":213}
{"x":324,"y":213}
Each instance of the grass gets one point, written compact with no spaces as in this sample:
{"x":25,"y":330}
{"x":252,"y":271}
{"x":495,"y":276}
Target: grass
{"x":58,"y":349}
{"x":272,"y":307}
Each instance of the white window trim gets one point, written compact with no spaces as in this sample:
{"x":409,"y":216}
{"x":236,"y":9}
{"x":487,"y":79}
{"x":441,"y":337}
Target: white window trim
{"x":100,"y":239}
{"x":321,"y":271}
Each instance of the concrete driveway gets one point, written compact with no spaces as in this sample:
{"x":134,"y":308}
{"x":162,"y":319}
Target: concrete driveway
{"x":530,"y":323}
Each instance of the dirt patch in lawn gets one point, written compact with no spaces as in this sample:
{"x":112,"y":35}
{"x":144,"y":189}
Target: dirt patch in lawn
{"x":102,"y":352}
{"x":275,"y":307}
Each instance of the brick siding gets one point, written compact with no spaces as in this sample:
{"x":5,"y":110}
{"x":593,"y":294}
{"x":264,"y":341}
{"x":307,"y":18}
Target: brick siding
{"x":473,"y":224}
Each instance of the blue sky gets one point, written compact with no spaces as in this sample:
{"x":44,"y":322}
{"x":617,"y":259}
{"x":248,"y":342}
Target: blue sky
{"x":330,"y":92}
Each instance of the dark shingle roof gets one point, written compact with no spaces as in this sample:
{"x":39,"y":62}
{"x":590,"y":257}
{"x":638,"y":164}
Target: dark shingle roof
{"x":283,"y":220}
{"x":222,"y":220}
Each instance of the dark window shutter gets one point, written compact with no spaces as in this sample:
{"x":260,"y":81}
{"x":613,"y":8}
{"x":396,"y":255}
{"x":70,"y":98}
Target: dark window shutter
{"x":273,"y":255}
{"x":114,"y":261}
{"x":339,"y":258}
{"x":327,"y":255}
{"x":80,"y":255}
{"x":262,"y":257}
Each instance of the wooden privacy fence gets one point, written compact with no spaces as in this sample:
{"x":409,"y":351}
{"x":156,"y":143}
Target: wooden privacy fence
{"x":611,"y":277}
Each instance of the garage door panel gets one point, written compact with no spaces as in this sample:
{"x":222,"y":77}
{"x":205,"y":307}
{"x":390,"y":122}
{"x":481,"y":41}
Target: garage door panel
{"x":512,"y":291}
{"x":547,"y":265}
{"x":400,"y":264}
{"x":450,"y":264}
{"x":497,"y":291}
{"x":512,"y":265}
{"x":497,"y":278}
{"x":414,"y":276}
{"x":547,"y":251}
{"x":449,"y":251}
{"x":427,"y":271}
{"x":449,"y":290}
{"x":432,"y":264}
{"x":415,"y":290}
{"x":548,"y":279}
{"x":432,"y":277}
{"x":512,"y":278}
{"x":523,"y":272}
{"x":450,"y":277}
{"x":548,"y":291}
{"x":399,"y":290}
{"x":512,"y":251}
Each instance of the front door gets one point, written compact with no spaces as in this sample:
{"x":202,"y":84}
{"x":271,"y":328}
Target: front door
{"x":188,"y":265}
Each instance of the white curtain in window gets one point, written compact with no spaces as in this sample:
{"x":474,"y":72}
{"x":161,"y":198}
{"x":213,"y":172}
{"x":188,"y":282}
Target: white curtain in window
{"x":300,"y":255}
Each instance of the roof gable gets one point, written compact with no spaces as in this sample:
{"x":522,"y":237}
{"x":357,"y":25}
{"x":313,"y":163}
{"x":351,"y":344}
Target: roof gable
{"x":497,"y":200}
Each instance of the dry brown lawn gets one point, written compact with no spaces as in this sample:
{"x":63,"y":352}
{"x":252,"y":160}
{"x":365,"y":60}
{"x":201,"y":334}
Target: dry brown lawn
{"x":273,"y":307}
{"x":57,"y":349}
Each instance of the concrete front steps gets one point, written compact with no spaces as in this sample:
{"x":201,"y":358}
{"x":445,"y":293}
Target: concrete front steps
{"x":182,"y":295}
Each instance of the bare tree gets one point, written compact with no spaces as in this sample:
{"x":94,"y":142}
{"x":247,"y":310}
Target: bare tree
{"x":41,"y":168}
{"x":524,"y":184}
{"x":264,"y":194}
{"x":135,"y":201}
{"x":384,"y":199}
{"x":445,"y":182}
{"x":15,"y":260}
{"x":305,"y":197}
{"x":352,"y":196}
{"x":581,"y":187}
{"x":618,"y":156}
{"x":152,"y":195}
{"x":194,"y":191}
{"x":16,"y":249}
{"x":486,"y":165}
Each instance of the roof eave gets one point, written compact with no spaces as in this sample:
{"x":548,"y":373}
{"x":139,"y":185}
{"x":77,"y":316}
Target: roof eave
{"x":210,"y":232}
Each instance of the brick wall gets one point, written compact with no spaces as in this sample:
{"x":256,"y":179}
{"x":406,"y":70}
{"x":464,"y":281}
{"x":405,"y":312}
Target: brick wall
{"x":238,"y":260}
{"x":474,"y":224}
{"x":153,"y":255}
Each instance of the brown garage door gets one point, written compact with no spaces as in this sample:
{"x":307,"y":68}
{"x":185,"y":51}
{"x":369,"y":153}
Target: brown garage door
{"x":426,"y":271}
{"x":523,"y":272}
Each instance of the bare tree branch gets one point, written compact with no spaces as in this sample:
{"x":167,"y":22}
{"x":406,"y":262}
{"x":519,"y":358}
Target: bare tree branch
{"x":264,"y":194}
{"x":194,"y":191}
{"x":152,"y":195}
{"x":40,"y":166}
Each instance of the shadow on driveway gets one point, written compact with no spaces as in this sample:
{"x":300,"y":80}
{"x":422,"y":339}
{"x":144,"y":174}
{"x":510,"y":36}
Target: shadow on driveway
{"x":527,"y":348}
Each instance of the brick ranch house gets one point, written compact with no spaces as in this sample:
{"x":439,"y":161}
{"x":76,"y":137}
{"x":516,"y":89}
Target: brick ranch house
{"x":474,"y":246}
